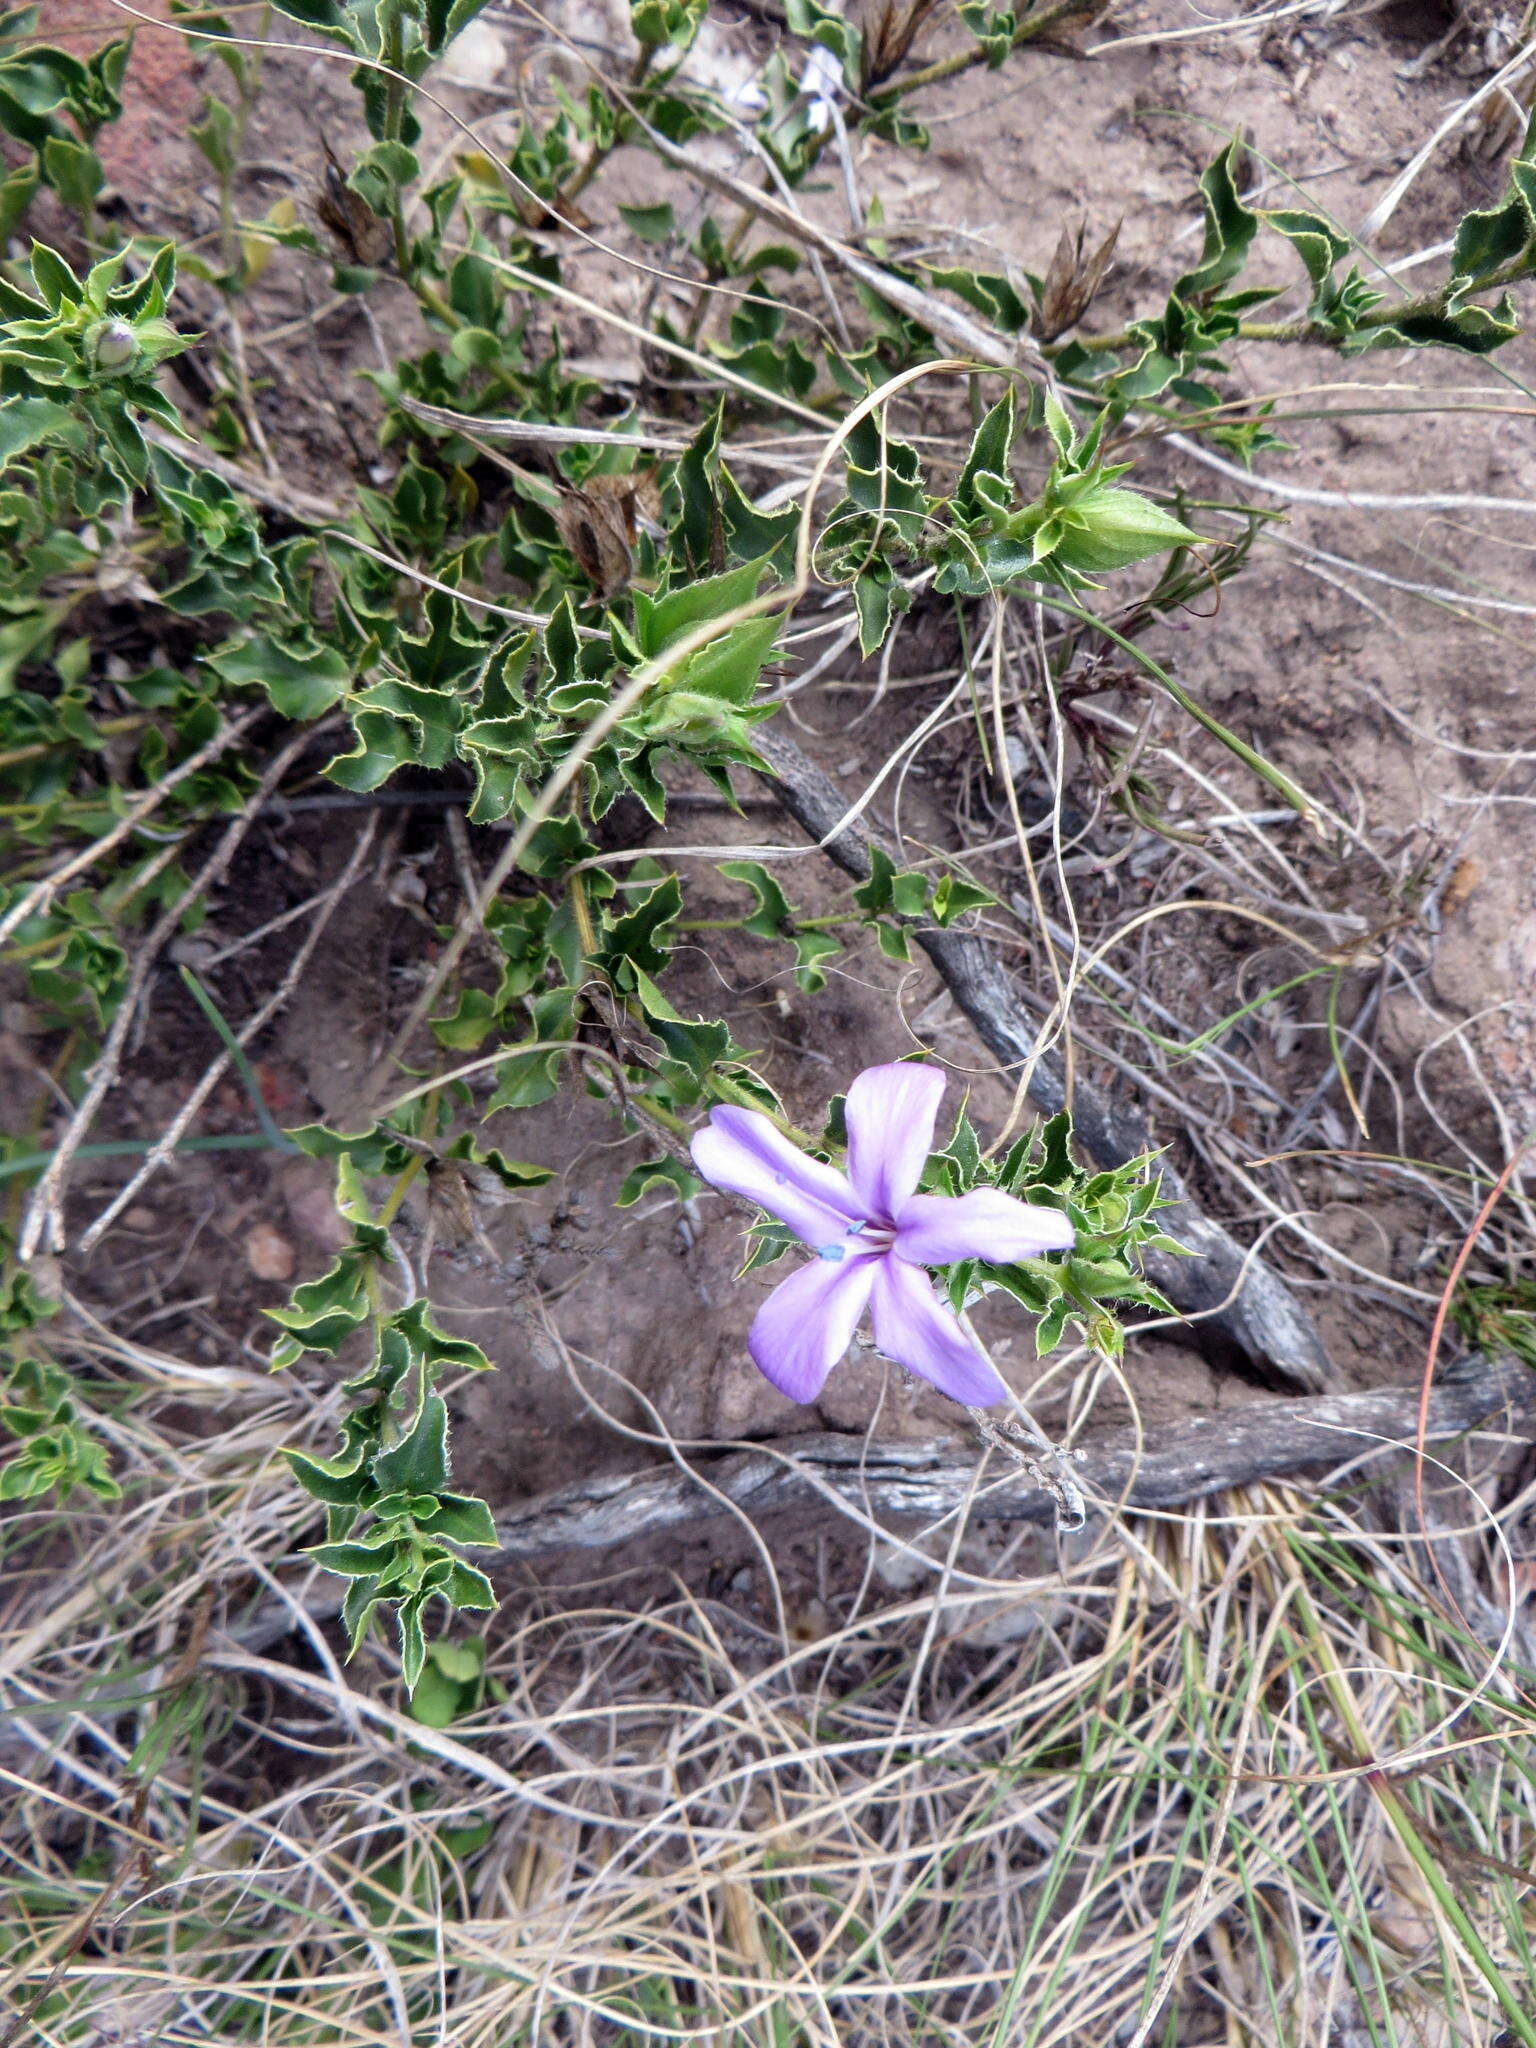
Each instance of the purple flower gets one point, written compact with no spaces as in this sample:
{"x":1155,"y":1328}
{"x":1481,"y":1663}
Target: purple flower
{"x":873,"y":1233}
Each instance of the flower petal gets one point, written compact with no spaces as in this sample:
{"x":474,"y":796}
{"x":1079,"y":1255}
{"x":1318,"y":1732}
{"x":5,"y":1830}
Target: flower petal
{"x":891,"y":1112}
{"x":742,"y":1150}
{"x":913,"y":1327}
{"x":986,"y":1224}
{"x":808,"y":1321}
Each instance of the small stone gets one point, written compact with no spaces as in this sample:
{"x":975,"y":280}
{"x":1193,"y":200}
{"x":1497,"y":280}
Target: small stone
{"x":138,"y":1218}
{"x":812,"y":1624}
{"x":268,"y":1253}
{"x":477,"y":56}
{"x":307,"y":1187}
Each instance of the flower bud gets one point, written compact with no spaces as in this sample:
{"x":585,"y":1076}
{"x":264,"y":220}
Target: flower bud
{"x":1109,"y":528}
{"x":113,"y":346}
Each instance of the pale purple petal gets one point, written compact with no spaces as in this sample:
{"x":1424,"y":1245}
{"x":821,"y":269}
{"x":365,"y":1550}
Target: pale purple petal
{"x":808,"y":1321}
{"x":891,"y":1112}
{"x":933,"y":1230}
{"x":913,"y":1327}
{"x":742,"y":1150}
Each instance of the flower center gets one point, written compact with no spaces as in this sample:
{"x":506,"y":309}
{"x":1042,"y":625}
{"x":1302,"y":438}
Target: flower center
{"x":870,"y":1237}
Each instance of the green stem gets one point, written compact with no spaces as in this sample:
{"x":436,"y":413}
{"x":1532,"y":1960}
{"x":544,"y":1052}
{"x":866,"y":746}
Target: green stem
{"x":1306,"y":329}
{"x":1400,"y":1816}
{"x":236,"y":1052}
{"x":394,"y":121}
{"x":732,"y":1091}
{"x":12,"y":757}
{"x":135,"y":1148}
{"x":432,"y":299}
{"x":400,"y":1190}
{"x":599,"y":153}
{"x":249,"y":86}
{"x":1336,"y":1053}
{"x":1029,"y":30}
{"x":1401,"y":1820}
{"x":642,"y":1105}
{"x":1182,"y":1051}
{"x":1266,"y":771}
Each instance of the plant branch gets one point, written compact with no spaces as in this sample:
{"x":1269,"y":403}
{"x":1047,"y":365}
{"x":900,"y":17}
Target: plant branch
{"x":1423,"y":306}
{"x":1030,"y":30}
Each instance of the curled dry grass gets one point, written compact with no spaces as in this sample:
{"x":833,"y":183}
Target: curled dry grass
{"x":1261,"y":1773}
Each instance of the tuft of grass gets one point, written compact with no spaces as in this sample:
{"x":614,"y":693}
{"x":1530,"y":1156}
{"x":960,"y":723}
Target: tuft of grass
{"x":1499,"y":1315}
{"x":1244,"y":1775}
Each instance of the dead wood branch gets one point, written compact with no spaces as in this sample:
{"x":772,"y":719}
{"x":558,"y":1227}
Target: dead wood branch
{"x":1233,"y":1291}
{"x":930,"y":1481}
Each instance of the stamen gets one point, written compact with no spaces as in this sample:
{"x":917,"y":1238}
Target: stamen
{"x":872,"y":1236}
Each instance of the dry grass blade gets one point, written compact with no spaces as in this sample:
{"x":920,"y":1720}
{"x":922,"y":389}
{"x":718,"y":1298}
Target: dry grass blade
{"x":539,"y":433}
{"x":981,"y":1820}
{"x":43,"y":1225}
{"x":30,"y":901}
{"x":257,"y":1022}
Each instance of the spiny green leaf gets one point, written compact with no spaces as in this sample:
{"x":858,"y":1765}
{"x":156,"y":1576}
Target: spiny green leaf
{"x":660,"y":621}
{"x":301,"y":675}
{"x":1230,"y":227}
{"x":420,"y":1463}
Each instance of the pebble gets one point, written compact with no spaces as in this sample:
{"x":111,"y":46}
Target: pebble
{"x":268,"y":1253}
{"x":476,"y":56}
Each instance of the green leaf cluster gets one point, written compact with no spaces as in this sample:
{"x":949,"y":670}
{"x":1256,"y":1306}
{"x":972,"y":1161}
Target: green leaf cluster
{"x":1082,"y":522}
{"x":53,"y":103}
{"x":1088,"y":1289}
{"x":394,"y":1525}
{"x":773,"y":918}
{"x":77,"y":357}
{"x":893,"y":899}
{"x":56,"y":1448}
